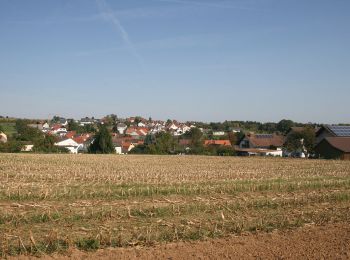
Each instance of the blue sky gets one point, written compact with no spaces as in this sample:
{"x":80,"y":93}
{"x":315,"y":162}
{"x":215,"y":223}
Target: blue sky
{"x":208,"y":60}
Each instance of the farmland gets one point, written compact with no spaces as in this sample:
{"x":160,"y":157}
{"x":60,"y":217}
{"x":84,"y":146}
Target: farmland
{"x":53,"y":203}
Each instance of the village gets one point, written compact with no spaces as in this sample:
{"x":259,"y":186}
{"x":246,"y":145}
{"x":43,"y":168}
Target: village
{"x":133,"y":134}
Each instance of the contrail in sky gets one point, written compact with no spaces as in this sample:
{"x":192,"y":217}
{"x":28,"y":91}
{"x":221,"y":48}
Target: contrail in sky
{"x":110,"y":15}
{"x":219,"y":5}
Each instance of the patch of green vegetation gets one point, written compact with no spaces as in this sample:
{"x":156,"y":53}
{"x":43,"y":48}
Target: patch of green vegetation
{"x":8,"y":128}
{"x":88,"y":244}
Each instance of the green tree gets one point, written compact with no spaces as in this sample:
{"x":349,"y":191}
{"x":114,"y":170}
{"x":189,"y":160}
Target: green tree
{"x":26,"y":133}
{"x":196,"y":137}
{"x":46,"y":144}
{"x":164,"y":143}
{"x":309,"y":138}
{"x":293,"y":142}
{"x":150,"y":139}
{"x":12,"y":146}
{"x":137,"y":120}
{"x":73,"y":126}
{"x":299,"y":141}
{"x":284,"y":125}
{"x":102,"y":142}
{"x":55,"y":119}
{"x":240,"y":136}
{"x":225,"y":151}
{"x":232,"y":137}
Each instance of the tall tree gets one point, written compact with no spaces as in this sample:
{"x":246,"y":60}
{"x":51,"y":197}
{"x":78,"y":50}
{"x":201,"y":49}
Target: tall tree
{"x":196,"y":137}
{"x":284,"y":125}
{"x":102,"y":142}
{"x":303,"y":141}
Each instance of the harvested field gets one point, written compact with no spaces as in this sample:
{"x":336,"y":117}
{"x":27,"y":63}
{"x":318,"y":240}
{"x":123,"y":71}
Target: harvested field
{"x":53,"y":203}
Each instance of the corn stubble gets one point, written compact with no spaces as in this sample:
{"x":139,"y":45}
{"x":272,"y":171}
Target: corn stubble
{"x":53,"y":203}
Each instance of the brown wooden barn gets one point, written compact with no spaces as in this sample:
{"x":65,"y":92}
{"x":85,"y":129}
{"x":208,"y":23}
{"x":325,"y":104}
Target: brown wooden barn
{"x":334,"y":148}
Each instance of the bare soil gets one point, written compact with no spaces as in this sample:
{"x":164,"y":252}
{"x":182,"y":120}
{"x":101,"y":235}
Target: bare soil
{"x":331,"y":241}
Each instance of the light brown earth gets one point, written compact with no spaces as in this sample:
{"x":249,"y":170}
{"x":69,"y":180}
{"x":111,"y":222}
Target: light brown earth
{"x":57,"y":204}
{"x":331,"y":241}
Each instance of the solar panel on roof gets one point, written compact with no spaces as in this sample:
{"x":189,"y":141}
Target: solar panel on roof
{"x":340,"y":130}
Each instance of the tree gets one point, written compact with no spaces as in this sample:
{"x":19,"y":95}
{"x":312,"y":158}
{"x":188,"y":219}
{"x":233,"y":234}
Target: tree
{"x":102,"y":142}
{"x":303,"y":141}
{"x":55,"y":119}
{"x":225,"y":151}
{"x":150,"y":139}
{"x":284,"y":125}
{"x":293,"y":142}
{"x":26,"y":133}
{"x":111,"y":119}
{"x":73,"y":126}
{"x":46,"y":144}
{"x":196,"y":137}
{"x":232,"y":137}
{"x":240,"y":136}
{"x":137,"y":120}
{"x":11,"y":146}
{"x":309,"y":139}
{"x":164,"y":143}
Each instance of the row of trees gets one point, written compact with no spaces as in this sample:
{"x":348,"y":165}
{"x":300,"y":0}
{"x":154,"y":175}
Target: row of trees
{"x":165,"y":143}
{"x":270,"y":127}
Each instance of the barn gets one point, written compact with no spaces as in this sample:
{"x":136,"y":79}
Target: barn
{"x":334,"y":148}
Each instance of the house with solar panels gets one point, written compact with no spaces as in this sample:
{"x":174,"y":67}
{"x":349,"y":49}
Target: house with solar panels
{"x":333,"y":142}
{"x":332,"y":131}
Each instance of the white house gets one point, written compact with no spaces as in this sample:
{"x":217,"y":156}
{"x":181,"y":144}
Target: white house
{"x":218,"y":133}
{"x":60,"y":131}
{"x":141,"y":124}
{"x":63,"y":121}
{"x":172,"y":126}
{"x":86,"y":121}
{"x":277,"y":152}
{"x":27,"y":148}
{"x":3,"y":137}
{"x":259,"y":151}
{"x":118,"y":149}
{"x":121,"y":127}
{"x":236,"y":130}
{"x":70,"y":144}
{"x":46,"y":127}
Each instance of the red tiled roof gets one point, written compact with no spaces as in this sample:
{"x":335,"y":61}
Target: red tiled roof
{"x":81,"y":138}
{"x":56,"y":126}
{"x":265,"y":140}
{"x":71,"y":134}
{"x":217,"y":142}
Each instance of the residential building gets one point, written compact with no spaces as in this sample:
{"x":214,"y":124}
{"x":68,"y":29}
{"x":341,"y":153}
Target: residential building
{"x":70,"y":144}
{"x":332,"y":131}
{"x":121,"y":127}
{"x":3,"y":137}
{"x":262,"y":141}
{"x":218,"y":133}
